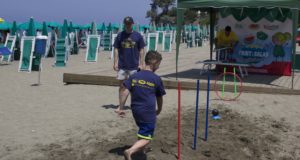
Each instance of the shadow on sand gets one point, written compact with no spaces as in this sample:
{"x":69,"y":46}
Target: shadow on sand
{"x":120,"y":151}
{"x":112,"y":106}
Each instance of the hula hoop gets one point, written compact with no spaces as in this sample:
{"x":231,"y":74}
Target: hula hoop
{"x":240,"y":87}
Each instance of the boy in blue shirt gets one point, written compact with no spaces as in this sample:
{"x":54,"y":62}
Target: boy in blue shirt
{"x":146,"y":90}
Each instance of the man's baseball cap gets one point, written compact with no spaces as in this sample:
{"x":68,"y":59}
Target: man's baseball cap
{"x":128,"y":20}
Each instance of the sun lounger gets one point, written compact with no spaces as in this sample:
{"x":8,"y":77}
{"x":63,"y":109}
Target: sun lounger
{"x":61,"y":52}
{"x":152,"y":41}
{"x":27,"y":48}
{"x":10,"y":44}
{"x":93,"y":42}
{"x":107,"y":41}
{"x":167,"y":44}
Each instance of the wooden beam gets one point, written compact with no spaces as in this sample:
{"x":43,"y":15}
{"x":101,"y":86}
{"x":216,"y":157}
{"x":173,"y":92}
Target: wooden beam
{"x":70,"y":78}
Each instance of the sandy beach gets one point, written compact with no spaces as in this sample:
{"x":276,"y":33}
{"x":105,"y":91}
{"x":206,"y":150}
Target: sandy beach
{"x":55,"y":121}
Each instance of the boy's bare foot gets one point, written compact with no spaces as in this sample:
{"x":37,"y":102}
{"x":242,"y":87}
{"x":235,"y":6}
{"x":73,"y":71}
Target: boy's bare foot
{"x":127,"y":155}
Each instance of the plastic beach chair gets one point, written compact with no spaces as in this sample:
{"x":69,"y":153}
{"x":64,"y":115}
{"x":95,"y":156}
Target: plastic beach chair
{"x":107,"y":38}
{"x":160,"y":36}
{"x":152,"y":41}
{"x":10,"y":44}
{"x":167,"y":42}
{"x":61,"y":52}
{"x":27,"y":48}
{"x":93,"y":42}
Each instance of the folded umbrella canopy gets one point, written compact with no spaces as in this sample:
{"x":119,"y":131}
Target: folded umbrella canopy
{"x":93,"y":28}
{"x":31,"y":30}
{"x":14,"y":28}
{"x":25,"y":25}
{"x":5,"y":26}
{"x":44,"y":30}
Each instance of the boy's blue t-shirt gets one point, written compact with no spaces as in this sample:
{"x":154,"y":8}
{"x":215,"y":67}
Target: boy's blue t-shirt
{"x":144,"y":87}
{"x":129,"y":46}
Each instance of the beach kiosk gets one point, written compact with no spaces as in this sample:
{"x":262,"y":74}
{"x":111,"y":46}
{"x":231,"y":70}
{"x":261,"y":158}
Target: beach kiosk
{"x":266,"y":31}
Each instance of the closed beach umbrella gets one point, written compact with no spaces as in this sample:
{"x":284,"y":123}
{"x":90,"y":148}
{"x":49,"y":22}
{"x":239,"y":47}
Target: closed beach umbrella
{"x":64,"y":29}
{"x":14,"y":28}
{"x":31,"y":31}
{"x":44,"y":30}
{"x":102,"y":27}
{"x":71,"y":27}
{"x":109,"y":27}
{"x":93,"y":28}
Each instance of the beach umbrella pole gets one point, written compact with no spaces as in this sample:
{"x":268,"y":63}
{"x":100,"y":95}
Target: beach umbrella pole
{"x":178,"y":121}
{"x":207,"y":107}
{"x":196,"y":115}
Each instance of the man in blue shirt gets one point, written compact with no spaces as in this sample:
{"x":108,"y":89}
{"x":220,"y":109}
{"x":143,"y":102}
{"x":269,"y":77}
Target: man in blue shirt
{"x":128,"y":56}
{"x":146,"y":90}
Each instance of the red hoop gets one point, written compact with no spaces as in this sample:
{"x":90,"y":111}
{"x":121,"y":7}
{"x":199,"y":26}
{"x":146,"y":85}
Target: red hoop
{"x":240,"y":87}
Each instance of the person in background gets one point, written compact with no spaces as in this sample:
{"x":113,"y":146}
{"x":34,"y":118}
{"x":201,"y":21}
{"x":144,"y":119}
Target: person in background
{"x":128,"y":56}
{"x":226,"y":41}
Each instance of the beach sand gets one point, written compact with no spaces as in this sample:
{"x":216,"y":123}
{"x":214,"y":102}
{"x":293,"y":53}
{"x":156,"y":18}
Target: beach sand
{"x":55,"y":121}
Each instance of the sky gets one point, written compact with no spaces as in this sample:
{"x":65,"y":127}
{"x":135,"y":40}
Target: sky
{"x":77,"y":11}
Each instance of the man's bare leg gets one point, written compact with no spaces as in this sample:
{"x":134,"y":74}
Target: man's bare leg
{"x":138,"y":145}
{"x":123,"y":95}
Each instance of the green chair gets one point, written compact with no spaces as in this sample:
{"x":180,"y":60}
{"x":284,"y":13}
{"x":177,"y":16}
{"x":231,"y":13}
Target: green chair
{"x":152,"y":41}
{"x":10,"y":44}
{"x":167,"y":42}
{"x":27,"y":48}
{"x":160,"y":37}
{"x":60,"y":52}
{"x":93,"y":42}
{"x":107,"y":41}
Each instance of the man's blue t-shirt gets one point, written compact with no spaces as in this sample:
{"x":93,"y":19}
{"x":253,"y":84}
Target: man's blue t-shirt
{"x":129,"y":46}
{"x":144,"y":87}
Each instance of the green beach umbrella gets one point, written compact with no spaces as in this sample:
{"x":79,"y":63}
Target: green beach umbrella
{"x":102,"y":27}
{"x":115,"y":26}
{"x":87,"y":26}
{"x":109,"y":27}
{"x":71,"y":27}
{"x":14,"y":28}
{"x":25,"y":26}
{"x":64,"y":29}
{"x":5,"y":26}
{"x":31,"y":31}
{"x":76,"y":26}
{"x":53,"y":24}
{"x":44,"y":30}
{"x":152,"y":27}
{"x":93,"y":28}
